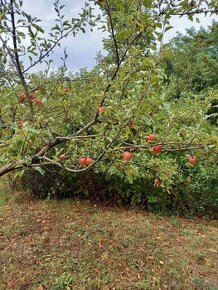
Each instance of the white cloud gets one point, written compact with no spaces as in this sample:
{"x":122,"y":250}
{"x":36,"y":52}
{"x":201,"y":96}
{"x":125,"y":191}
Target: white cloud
{"x":82,"y":48}
{"x":180,"y":24}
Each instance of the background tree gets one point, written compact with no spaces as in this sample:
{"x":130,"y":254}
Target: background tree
{"x":192,"y":60}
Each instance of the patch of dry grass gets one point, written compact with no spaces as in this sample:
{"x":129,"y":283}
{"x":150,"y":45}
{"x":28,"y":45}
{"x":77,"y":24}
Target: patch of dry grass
{"x":76,"y":245}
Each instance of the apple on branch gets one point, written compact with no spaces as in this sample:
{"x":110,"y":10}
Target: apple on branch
{"x":101,"y":109}
{"x":150,"y":138}
{"x":156,"y":149}
{"x":127,"y":155}
{"x":85,"y":161}
{"x":89,"y":161}
{"x":38,"y":102}
{"x":192,"y":159}
{"x":32,"y":97}
{"x":82,"y":161}
{"x":157,"y":182}
{"x":22,"y":97}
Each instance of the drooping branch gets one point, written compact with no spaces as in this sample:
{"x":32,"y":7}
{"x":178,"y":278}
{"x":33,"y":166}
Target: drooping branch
{"x":127,"y":146}
{"x":11,"y":167}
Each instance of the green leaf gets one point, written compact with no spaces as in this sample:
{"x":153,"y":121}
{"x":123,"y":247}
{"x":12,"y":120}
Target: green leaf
{"x":168,"y":28}
{"x":38,"y":28}
{"x":40,"y":170}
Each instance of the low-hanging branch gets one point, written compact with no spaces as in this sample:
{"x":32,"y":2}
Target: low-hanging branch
{"x":40,"y":156}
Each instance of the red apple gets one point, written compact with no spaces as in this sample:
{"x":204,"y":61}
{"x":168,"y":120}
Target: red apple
{"x":89,"y":161}
{"x":150,"y":138}
{"x":192,"y":159}
{"x":127,"y":155}
{"x":101,"y":109}
{"x":66,"y":90}
{"x":32,"y":97}
{"x":62,"y":157}
{"x":82,"y":161}
{"x":38,"y":102}
{"x":156,"y":149}
{"x":22,"y":97}
{"x":156,"y":182}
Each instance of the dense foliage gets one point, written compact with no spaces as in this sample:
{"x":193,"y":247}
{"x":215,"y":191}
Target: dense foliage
{"x":139,"y":117}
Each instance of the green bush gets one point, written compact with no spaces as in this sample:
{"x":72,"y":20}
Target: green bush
{"x":193,"y":193}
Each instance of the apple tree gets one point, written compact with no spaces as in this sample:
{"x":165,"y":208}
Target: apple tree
{"x":119,"y":118}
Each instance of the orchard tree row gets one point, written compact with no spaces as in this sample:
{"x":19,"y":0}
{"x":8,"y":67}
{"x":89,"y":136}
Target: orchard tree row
{"x":123,"y":117}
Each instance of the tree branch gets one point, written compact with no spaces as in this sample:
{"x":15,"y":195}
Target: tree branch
{"x":113,"y":33}
{"x":17,"y":61}
{"x":198,"y":11}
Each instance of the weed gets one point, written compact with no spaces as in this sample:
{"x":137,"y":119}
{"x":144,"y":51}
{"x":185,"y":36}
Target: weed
{"x":3,"y":197}
{"x":175,"y":221}
{"x":187,"y":232}
{"x":64,"y":282}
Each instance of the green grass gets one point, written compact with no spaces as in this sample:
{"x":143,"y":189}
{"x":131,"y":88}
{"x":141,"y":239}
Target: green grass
{"x":3,"y":196}
{"x":76,"y":245}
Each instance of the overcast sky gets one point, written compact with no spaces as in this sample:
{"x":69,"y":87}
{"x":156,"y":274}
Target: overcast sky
{"x":82,"y":49}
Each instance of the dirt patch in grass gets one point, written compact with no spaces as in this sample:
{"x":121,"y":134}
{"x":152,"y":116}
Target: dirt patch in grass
{"x":78,"y":245}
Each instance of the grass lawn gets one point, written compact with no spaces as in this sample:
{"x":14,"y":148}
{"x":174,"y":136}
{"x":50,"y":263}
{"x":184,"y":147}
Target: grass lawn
{"x":78,"y":245}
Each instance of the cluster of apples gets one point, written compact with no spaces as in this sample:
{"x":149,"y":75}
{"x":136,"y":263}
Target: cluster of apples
{"x":23,"y":98}
{"x":85,"y":161}
{"x":156,"y":149}
{"x":37,"y":102}
{"x":127,"y":156}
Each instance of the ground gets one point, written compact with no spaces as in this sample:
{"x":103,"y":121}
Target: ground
{"x":79,"y":245}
